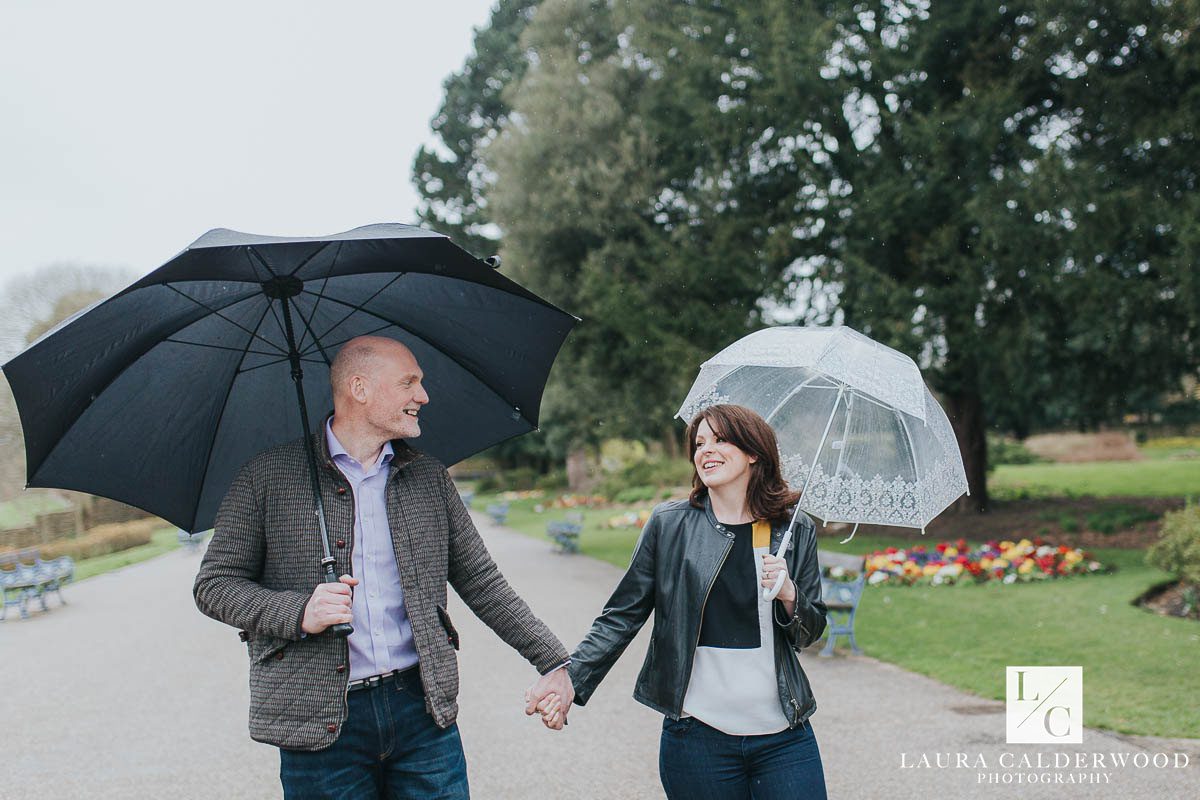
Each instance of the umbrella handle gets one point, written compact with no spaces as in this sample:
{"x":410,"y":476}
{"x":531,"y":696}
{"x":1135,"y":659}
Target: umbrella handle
{"x":342,"y":629}
{"x":769,"y":594}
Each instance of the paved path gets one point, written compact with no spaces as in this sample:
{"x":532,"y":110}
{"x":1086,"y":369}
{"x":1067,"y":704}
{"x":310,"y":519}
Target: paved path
{"x":129,"y":692}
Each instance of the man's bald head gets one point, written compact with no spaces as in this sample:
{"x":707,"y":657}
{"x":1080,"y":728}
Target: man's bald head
{"x":360,"y":357}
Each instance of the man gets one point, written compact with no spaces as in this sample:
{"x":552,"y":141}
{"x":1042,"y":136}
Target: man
{"x":371,"y":715}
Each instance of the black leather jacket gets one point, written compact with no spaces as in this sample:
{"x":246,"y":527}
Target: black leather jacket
{"x":674,"y":564}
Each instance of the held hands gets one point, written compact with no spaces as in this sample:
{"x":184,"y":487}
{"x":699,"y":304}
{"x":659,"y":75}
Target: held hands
{"x":329,"y":605}
{"x":772,"y":568}
{"x":551,"y":696}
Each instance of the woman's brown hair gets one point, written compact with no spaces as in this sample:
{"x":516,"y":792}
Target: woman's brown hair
{"x":768,"y":495}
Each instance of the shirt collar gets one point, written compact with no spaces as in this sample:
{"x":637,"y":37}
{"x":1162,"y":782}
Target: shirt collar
{"x":336,"y":449}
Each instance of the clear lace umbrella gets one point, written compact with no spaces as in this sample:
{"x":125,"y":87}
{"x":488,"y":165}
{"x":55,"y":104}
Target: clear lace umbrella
{"x":858,"y":430}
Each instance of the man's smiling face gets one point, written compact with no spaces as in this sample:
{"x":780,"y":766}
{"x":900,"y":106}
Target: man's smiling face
{"x":395,"y":393}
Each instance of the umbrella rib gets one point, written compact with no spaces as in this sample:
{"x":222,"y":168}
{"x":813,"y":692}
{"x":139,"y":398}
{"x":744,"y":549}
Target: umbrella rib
{"x":218,"y":314}
{"x":250,"y":250}
{"x":242,"y":350}
{"x":354,"y":308}
{"x":793,"y":392}
{"x":318,"y":252}
{"x":280,"y":361}
{"x":335,"y":345}
{"x":224,"y":405}
{"x":308,"y":329}
{"x":320,"y":297}
{"x":468,"y":370}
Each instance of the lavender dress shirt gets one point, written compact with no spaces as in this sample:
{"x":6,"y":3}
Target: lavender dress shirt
{"x":383,"y":639}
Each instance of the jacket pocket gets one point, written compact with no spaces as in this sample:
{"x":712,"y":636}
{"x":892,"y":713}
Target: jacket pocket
{"x":451,"y":633}
{"x":263,"y":647}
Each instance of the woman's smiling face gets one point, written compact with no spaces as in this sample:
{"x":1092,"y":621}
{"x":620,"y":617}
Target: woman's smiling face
{"x":717,"y":462}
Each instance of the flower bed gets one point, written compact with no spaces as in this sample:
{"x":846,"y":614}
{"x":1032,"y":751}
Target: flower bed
{"x":955,"y":562}
{"x":570,"y":501}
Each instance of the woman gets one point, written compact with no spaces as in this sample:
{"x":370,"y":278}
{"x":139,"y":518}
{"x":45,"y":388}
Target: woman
{"x":722,"y":663}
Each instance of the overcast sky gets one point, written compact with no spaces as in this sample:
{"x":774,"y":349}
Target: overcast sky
{"x":130,"y":127}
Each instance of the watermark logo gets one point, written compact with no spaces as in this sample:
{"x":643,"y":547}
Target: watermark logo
{"x":1044,"y":705}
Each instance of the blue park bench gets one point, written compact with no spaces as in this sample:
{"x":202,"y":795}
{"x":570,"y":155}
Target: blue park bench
{"x":841,"y":597}
{"x":565,"y":532}
{"x":498,"y":512}
{"x":25,"y":576}
{"x":191,"y":541}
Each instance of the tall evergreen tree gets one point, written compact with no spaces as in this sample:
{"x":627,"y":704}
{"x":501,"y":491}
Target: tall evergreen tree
{"x":932,"y":163}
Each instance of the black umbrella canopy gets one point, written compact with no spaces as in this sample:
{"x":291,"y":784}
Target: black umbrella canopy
{"x":156,"y":396}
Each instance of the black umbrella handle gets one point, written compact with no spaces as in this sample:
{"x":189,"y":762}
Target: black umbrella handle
{"x":341,"y":629}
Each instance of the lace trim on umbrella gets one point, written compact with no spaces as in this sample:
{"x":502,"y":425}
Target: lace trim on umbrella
{"x":710,"y":397}
{"x":877,"y":500}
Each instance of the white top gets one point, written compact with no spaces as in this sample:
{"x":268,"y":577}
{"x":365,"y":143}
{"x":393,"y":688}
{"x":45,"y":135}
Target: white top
{"x":734,"y":689}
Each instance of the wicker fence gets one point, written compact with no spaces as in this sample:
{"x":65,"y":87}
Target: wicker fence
{"x":57,"y":525}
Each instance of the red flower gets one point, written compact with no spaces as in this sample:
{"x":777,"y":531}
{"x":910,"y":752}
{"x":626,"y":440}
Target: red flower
{"x":890,"y":550}
{"x":941,"y":548}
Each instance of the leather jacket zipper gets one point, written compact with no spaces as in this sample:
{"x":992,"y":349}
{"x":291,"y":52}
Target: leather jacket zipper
{"x":687,"y":678}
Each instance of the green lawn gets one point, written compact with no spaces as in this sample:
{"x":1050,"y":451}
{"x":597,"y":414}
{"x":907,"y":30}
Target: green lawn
{"x":161,"y":542}
{"x":1139,"y":668}
{"x":1149,"y":478}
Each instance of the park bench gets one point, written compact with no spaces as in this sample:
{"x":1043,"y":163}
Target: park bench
{"x":25,"y":576}
{"x":498,"y":512}
{"x":565,"y":532}
{"x":191,"y":541}
{"x":841,"y":597}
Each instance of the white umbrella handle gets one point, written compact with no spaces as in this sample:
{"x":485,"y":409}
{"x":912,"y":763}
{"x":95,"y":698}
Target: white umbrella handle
{"x":769,"y":594}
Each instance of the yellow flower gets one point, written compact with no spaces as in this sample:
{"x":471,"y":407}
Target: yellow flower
{"x":930,"y":569}
{"x":1026,"y":566}
{"x":951,"y":552}
{"x":985,"y":562}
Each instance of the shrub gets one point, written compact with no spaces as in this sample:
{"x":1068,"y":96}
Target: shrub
{"x":552,"y":481}
{"x":658,"y":473}
{"x":1118,"y":518}
{"x":103,"y":539}
{"x":1010,"y":451}
{"x":1178,"y":549}
{"x":518,"y":479}
{"x":636,"y":494}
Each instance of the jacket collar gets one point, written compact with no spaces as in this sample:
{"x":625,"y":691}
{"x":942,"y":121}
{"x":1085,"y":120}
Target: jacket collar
{"x":777,"y":528}
{"x":402,"y":453}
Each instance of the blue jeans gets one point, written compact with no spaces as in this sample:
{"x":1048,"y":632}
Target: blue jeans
{"x":696,"y":762}
{"x":388,"y":748}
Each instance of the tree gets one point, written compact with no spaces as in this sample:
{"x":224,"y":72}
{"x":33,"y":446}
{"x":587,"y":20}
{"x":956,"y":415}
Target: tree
{"x":580,"y":168}
{"x":31,"y":305}
{"x":933,"y":164}
{"x":450,"y":177}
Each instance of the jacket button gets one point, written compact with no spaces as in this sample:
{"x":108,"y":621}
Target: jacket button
{"x":331,"y":728}
{"x":279,"y":656}
{"x":340,"y":542}
{"x":341,"y":668}
{"x":341,"y":490}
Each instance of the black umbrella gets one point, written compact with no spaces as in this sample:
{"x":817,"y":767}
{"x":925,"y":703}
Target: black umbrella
{"x":157,"y":395}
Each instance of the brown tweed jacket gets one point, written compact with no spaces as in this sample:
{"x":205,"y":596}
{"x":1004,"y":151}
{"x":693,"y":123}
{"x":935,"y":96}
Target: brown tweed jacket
{"x":264,"y":561}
